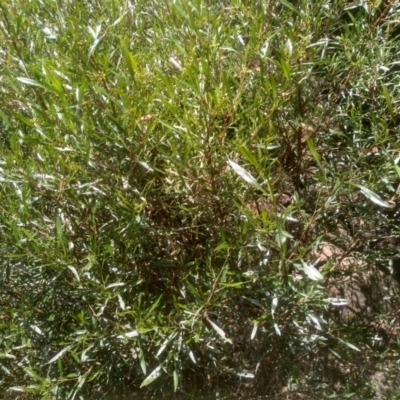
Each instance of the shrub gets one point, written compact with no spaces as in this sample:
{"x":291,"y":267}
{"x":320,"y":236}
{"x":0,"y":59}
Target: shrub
{"x":169,"y":170}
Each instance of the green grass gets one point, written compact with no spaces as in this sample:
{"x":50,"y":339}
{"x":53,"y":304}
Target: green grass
{"x":168,"y":169}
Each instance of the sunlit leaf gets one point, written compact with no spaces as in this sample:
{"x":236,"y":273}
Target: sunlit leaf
{"x":312,"y":272}
{"x":191,"y":355}
{"x":121,"y":302}
{"x":315,"y":321}
{"x":351,"y":346}
{"x":254,"y":331}
{"x":244,"y":374}
{"x":277,"y":330}
{"x":152,"y":377}
{"x":289,"y":46}
{"x":336,"y":302}
{"x":30,"y":82}
{"x":176,"y":63}
{"x":59,"y":354}
{"x":250,"y":274}
{"x":176,"y":380}
{"x":274,"y":304}
{"x":162,"y":348}
{"x":219,"y":331}
{"x":115,"y":285}
{"x":242,"y":173}
{"x":373,"y":197}
{"x":17,"y":388}
{"x":74,"y":271}
{"x":94,"y":46}
{"x":37,"y":329}
{"x":142,"y":361}
{"x":49,"y":33}
{"x":129,"y":335}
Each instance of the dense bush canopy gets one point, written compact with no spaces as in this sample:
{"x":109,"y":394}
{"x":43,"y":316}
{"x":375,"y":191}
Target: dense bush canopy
{"x":169,"y":171}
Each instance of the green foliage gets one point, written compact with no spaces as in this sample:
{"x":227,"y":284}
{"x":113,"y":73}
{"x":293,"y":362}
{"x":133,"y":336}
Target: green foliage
{"x":147,"y":148}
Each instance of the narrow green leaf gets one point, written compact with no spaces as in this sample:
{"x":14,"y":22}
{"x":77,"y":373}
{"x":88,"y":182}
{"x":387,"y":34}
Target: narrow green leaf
{"x":289,"y":5}
{"x":154,"y":306}
{"x":33,"y":374}
{"x":130,"y":61}
{"x":5,"y":119}
{"x":270,"y":83}
{"x":53,"y":79}
{"x":152,"y":377}
{"x":351,"y":346}
{"x":233,"y":285}
{"x":335,"y":354}
{"x":313,"y":152}
{"x":285,"y":68}
{"x":82,"y":380}
{"x":23,"y":119}
{"x":176,"y":380}
{"x":247,"y":154}
{"x":142,"y":361}
{"x":194,"y":291}
{"x":387,"y":98}
{"x":222,"y":246}
{"x":59,"y":229}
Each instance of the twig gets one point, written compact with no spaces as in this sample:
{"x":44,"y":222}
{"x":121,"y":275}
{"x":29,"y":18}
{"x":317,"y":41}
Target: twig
{"x":381,"y":16}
